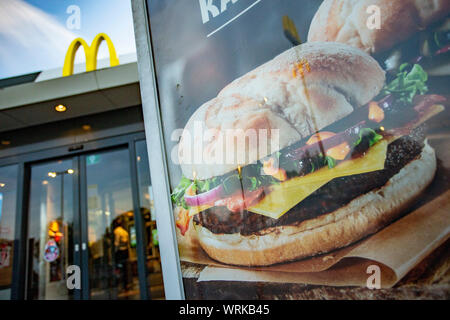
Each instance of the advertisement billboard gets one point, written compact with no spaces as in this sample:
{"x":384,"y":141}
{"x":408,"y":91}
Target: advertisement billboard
{"x":305,"y":144}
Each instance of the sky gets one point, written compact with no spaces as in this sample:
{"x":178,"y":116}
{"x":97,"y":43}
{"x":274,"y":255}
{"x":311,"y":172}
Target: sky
{"x":35,"y":34}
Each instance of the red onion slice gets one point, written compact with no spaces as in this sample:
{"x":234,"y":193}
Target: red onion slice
{"x":208,"y":197}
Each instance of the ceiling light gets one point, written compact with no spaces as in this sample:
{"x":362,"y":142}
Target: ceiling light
{"x":2,"y":185}
{"x":70,"y":171}
{"x":60,"y":108}
{"x":44,"y":182}
{"x":52,"y":174}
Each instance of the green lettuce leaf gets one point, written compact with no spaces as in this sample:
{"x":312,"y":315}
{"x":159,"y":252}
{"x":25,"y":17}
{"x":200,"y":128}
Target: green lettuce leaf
{"x":407,"y":85}
{"x":369,"y":134}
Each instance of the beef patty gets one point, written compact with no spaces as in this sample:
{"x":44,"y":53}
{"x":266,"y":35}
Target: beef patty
{"x":333,"y":195}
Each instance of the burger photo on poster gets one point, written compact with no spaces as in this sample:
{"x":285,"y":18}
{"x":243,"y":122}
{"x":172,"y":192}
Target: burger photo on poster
{"x":352,"y":156}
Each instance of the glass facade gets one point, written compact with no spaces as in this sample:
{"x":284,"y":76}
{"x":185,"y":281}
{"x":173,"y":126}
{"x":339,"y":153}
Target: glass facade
{"x":153,"y":262}
{"x":80,"y":210}
{"x":8,"y":200}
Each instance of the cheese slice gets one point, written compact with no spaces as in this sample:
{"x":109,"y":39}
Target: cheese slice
{"x":286,"y":195}
{"x":197,"y":209}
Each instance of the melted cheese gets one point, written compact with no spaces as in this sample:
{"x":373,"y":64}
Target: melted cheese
{"x":286,"y":195}
{"x":197,"y":209}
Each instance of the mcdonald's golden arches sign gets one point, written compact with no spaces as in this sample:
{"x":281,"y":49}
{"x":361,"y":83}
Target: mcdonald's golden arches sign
{"x":91,"y":53}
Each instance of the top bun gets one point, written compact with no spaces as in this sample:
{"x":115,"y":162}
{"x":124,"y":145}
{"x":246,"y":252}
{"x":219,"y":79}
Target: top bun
{"x":346,"y":21}
{"x":299,"y":92}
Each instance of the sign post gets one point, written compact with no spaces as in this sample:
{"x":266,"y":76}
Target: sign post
{"x":173,"y":282}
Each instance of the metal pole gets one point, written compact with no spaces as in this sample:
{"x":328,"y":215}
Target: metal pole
{"x":173,"y":281}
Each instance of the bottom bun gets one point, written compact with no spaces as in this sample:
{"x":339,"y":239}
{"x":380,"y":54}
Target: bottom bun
{"x":361,"y":217}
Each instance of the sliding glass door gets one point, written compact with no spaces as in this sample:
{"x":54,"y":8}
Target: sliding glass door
{"x":93,"y":211}
{"x":51,"y":228}
{"x":111,"y":229}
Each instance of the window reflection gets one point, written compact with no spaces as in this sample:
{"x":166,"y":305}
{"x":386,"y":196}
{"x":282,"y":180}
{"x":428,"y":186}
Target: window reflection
{"x":8,"y":194}
{"x":111,"y":228}
{"x":153,"y":262}
{"x":50,"y":229}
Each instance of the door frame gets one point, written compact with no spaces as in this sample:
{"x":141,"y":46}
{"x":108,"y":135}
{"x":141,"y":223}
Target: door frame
{"x":170,"y":259}
{"x":77,"y":151}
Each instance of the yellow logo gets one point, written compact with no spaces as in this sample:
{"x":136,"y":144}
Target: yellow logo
{"x":90,"y":53}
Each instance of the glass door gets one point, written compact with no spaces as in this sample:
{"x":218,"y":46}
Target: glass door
{"x":146,"y":204}
{"x":93,"y":211}
{"x":8,"y":198}
{"x":52,"y":227}
{"x":111,"y":227}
